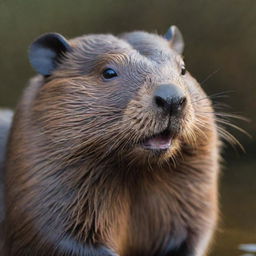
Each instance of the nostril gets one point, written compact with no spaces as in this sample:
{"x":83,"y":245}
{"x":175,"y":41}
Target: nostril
{"x":160,"y":102}
{"x":182,"y":101}
{"x":169,"y":98}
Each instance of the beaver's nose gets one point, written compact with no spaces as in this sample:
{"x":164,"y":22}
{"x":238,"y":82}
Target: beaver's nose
{"x":170,"y":98}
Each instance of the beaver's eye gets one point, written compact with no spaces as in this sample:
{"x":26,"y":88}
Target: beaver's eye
{"x":109,"y":73}
{"x":183,"y":70}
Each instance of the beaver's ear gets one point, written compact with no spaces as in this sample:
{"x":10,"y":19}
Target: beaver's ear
{"x":174,"y":36}
{"x":45,"y":52}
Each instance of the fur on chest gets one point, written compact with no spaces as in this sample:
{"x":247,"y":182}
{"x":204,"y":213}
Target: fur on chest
{"x":160,"y":217}
{"x":154,"y":226}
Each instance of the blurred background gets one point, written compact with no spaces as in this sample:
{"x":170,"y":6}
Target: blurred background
{"x":220,"y":52}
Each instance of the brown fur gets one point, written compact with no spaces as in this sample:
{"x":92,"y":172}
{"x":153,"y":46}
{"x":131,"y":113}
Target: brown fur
{"x":76,"y":173}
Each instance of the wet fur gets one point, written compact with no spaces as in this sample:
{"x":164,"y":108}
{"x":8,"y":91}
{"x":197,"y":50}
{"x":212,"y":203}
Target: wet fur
{"x":77,"y":181}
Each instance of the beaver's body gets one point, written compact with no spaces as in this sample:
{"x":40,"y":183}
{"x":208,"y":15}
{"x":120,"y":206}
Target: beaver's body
{"x":111,"y":152}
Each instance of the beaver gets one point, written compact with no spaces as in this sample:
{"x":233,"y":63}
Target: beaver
{"x":113,"y":150}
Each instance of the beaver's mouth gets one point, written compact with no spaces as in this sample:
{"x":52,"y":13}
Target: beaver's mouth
{"x":160,"y":141}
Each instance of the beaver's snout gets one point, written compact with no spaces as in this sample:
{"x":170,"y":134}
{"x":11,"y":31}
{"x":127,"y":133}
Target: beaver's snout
{"x":170,"y":99}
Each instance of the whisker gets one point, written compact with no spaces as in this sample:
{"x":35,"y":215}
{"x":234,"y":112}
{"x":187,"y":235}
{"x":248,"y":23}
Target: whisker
{"x":231,"y":139}
{"x":223,"y":94}
{"x":210,"y":76}
{"x":225,"y":122}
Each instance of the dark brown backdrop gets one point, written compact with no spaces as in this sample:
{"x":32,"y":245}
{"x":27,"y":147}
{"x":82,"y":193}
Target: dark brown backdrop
{"x":220,"y":38}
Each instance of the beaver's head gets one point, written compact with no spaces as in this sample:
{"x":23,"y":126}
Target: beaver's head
{"x":128,"y":96}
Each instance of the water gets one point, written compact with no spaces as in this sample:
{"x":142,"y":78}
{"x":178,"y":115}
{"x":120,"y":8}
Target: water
{"x":237,"y":232}
{"x":248,"y":247}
